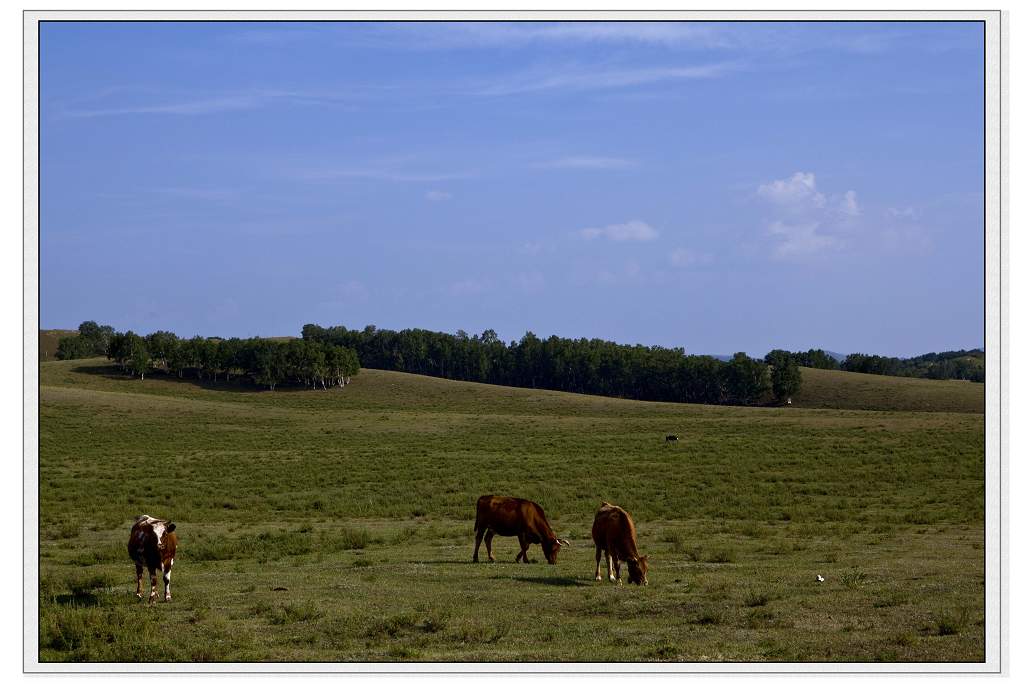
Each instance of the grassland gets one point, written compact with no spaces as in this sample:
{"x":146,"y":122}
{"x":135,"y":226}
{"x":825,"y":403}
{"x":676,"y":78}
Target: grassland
{"x":846,"y":390}
{"x":326,"y":526}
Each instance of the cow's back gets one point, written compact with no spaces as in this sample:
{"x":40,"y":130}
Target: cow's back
{"x":507,"y":515}
{"x":613,"y":530}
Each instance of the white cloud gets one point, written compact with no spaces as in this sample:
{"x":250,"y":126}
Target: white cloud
{"x":635,"y":230}
{"x":798,"y":240}
{"x":805,"y":220}
{"x":907,"y":212}
{"x":438,"y":196}
{"x":585,"y":162}
{"x":849,"y":205}
{"x":799,"y":190}
{"x":684,"y":257}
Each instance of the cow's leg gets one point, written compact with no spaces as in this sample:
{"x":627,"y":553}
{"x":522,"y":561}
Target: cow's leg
{"x":476,"y":547}
{"x":597,"y":571}
{"x":152,"y":584}
{"x":167,"y":579}
{"x":525,"y":544}
{"x":618,"y":576}
{"x":611,"y":572}
{"x":487,"y":541}
{"x":138,"y":580}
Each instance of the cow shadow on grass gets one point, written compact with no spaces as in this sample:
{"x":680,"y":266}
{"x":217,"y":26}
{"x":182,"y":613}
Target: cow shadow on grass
{"x":564,"y":581}
{"x":77,"y":599}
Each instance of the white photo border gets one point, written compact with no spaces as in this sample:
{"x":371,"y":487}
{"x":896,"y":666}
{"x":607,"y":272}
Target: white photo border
{"x":996,"y":327}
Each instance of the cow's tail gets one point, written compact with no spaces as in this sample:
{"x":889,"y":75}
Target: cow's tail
{"x":476,"y":523}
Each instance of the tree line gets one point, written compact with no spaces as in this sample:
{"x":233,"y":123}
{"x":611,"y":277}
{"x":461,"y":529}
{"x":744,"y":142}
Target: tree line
{"x":968,"y":365}
{"x":595,"y":367}
{"x":267,"y":363}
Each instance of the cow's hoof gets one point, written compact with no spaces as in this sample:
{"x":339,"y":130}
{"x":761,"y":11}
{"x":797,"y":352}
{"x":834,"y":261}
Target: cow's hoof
{"x":475,"y":560}
{"x":167,"y":599}
{"x":597,"y":578}
{"x":139,"y":596}
{"x":490,"y":559}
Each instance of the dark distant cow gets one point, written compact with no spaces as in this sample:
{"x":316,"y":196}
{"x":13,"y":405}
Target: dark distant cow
{"x":152,"y":543}
{"x":615,"y":534}
{"x":511,"y":517}
{"x":671,"y":437}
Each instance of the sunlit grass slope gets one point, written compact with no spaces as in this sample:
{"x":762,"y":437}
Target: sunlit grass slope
{"x":845,"y":390}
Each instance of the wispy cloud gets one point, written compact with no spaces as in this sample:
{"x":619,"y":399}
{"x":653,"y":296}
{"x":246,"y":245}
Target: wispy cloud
{"x":800,"y":240}
{"x":587,"y":162}
{"x":907,"y":212}
{"x":525,"y":33}
{"x":209,"y":194}
{"x":466,"y":287}
{"x":438,"y":196}
{"x":598,"y":78}
{"x":531,"y":281}
{"x":193,"y":105}
{"x":386,"y":173}
{"x":687,"y":258}
{"x":635,"y":230}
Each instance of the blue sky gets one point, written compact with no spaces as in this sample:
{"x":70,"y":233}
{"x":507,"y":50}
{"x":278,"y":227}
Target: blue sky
{"x":715,"y":186}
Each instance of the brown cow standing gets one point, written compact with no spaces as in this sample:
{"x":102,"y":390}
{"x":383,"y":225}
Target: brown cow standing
{"x":615,"y":534}
{"x":508,"y":516}
{"x":152,"y":543}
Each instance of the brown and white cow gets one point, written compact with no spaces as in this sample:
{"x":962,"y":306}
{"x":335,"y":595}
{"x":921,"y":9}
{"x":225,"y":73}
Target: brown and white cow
{"x":511,"y":517}
{"x":615,"y":535}
{"x":152,"y":543}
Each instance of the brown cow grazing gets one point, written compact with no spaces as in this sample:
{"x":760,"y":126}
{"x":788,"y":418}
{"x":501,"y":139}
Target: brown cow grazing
{"x":508,"y":516}
{"x":152,"y":543}
{"x":615,"y":534}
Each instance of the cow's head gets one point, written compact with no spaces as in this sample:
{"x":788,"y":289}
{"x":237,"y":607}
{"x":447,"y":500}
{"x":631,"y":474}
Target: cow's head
{"x":638,"y":571}
{"x":551,"y":548}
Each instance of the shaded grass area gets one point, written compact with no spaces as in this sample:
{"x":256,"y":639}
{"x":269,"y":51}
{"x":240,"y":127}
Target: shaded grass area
{"x":338,"y":525}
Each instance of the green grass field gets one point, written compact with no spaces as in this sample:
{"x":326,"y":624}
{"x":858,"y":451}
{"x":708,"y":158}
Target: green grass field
{"x":837,"y":390}
{"x":327,"y":526}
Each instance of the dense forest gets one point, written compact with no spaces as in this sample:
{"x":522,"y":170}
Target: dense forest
{"x":257,"y":360}
{"x":596,"y":367}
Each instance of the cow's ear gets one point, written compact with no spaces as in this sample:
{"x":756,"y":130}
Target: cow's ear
{"x":171,"y":527}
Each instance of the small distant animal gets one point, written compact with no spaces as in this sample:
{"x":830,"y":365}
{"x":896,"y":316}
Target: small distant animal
{"x":152,"y":543}
{"x":820,"y":578}
{"x":615,"y":534}
{"x":511,"y":517}
{"x":671,"y":437}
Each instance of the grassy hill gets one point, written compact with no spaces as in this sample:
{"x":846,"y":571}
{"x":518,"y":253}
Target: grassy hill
{"x":338,"y":525}
{"x":49,"y":340}
{"x":843,"y":390}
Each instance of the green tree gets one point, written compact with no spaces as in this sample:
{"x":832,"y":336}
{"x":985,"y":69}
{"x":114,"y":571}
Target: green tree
{"x":786,"y":376}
